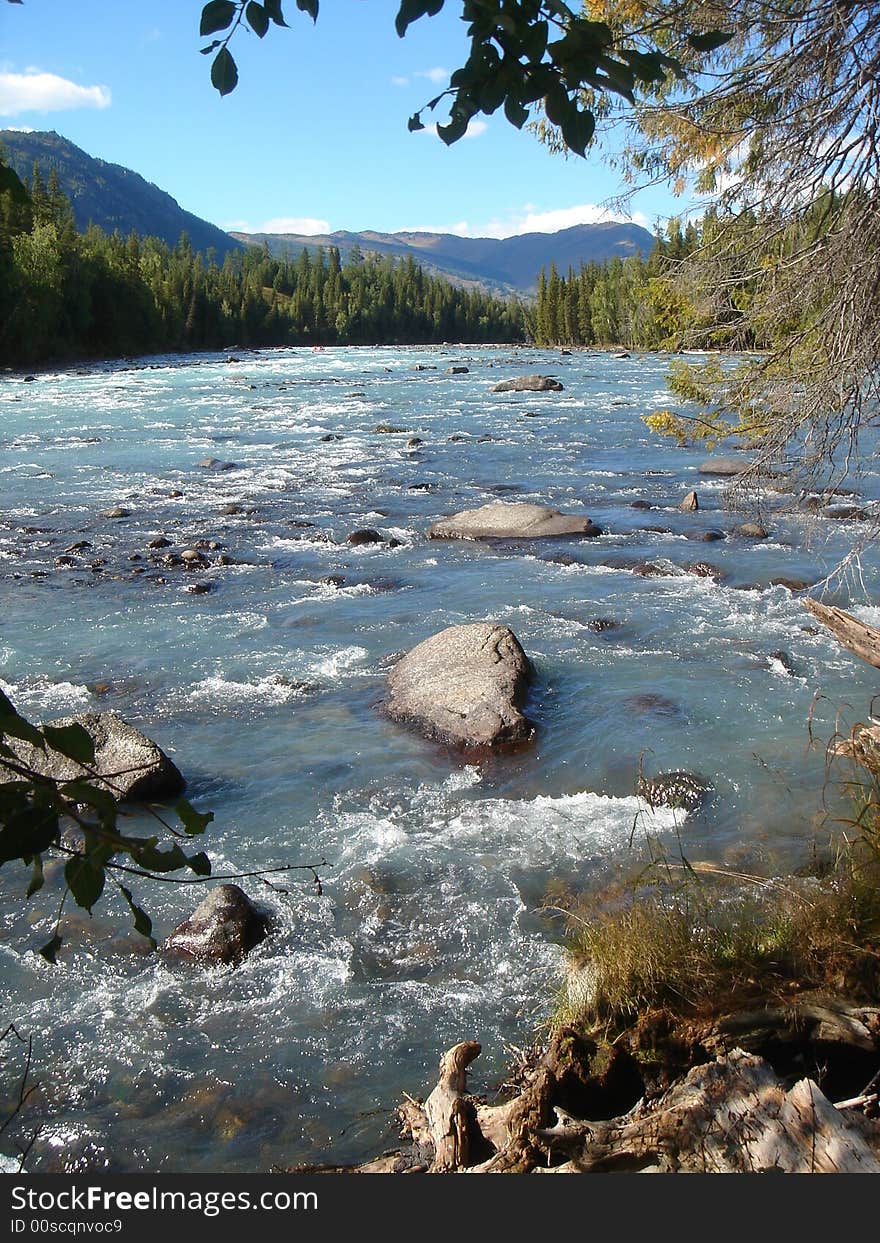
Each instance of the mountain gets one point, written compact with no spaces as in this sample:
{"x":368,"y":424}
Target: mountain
{"x":502,"y":265}
{"x":109,"y":195}
{"x":114,"y":197}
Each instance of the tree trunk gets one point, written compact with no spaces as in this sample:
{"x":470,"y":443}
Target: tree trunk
{"x":858,"y":636}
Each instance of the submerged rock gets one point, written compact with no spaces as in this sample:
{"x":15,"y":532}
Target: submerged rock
{"x":118,"y":511}
{"x":222,"y":928}
{"x":365,"y":536}
{"x":464,"y":686}
{"x":511,"y":520}
{"x":752,"y":530}
{"x":528,"y":384}
{"x":127,"y":763}
{"x":674,"y":789}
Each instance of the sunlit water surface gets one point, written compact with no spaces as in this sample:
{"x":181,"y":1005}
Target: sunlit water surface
{"x":266,"y":691}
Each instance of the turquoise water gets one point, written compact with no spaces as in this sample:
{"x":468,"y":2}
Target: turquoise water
{"x":266,"y":691}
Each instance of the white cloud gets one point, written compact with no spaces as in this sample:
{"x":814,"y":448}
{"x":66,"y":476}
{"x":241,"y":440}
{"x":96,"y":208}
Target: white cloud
{"x":438,"y":75}
{"x":20,"y":129}
{"x":530,"y":220}
{"x":34,"y":91}
{"x":281,"y":224}
{"x":398,"y":81}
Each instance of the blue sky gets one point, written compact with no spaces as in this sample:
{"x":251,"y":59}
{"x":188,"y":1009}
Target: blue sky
{"x":313,"y":139}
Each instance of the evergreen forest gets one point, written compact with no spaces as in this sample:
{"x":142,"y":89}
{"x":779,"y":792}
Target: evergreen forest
{"x":65,"y":294}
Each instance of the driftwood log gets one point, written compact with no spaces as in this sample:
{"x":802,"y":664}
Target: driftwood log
{"x":730,"y":1114}
{"x":858,"y":636}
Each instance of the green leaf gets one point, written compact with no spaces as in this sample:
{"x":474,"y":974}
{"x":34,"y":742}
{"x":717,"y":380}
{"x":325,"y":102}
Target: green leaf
{"x":515,"y":112}
{"x":71,"y":740}
{"x":142,"y":922}
{"x":224,"y":74}
{"x":28,"y":832}
{"x":217,"y":16}
{"x":200,"y":864}
{"x":194,"y":822}
{"x":273,"y":8}
{"x":577,"y":130}
{"x":36,"y":882}
{"x":415,"y":122}
{"x":18,"y":727}
{"x":454,"y":129}
{"x":310,"y":7}
{"x":50,"y":949}
{"x":84,"y":881}
{"x":709,"y":41}
{"x":411,"y":10}
{"x":102,"y":800}
{"x":257,"y":18}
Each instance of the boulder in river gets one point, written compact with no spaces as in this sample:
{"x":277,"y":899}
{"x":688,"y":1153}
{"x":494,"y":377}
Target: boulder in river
{"x":752,"y":530}
{"x":528,"y":384}
{"x":690,"y":504}
{"x":222,"y":928}
{"x":707,"y":537}
{"x":723,"y":466}
{"x":127,"y":763}
{"x":118,"y":511}
{"x":511,"y":520}
{"x":464,"y":686}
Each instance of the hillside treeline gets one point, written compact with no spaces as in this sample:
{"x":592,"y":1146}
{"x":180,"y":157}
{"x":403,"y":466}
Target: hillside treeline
{"x":699,"y":287}
{"x":64,"y":294}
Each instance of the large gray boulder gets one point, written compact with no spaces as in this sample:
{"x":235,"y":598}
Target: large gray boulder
{"x":511,"y":520}
{"x":464,"y":686}
{"x":131,"y":766}
{"x":222,"y":928}
{"x":723,"y":466}
{"x":528,"y":384}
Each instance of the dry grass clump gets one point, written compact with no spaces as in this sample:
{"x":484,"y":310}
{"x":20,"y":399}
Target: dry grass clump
{"x":695,"y":948}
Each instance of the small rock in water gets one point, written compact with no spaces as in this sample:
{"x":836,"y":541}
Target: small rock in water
{"x":784,"y":659}
{"x":199,"y":589}
{"x":690,"y":504}
{"x":752,"y":530}
{"x":414,"y":442}
{"x":366,"y":536}
{"x":674,"y":789}
{"x":192,"y":557}
{"x":601,"y":625}
{"x":325,"y":439}
{"x":390,"y":429}
{"x":333,"y":580}
{"x":456,"y":370}
{"x":641,"y":505}
{"x":159,"y":542}
{"x":222,"y":929}
{"x":705,"y":569}
{"x":213,"y":463}
{"x":118,"y":511}
{"x":707,"y":537}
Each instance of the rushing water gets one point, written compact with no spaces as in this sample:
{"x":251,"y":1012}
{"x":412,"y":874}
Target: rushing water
{"x":266,"y":692}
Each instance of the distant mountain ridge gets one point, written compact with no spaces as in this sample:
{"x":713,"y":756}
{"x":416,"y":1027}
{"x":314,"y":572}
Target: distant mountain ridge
{"x":109,"y":195}
{"x":502,"y":265}
{"x":115,"y":198}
